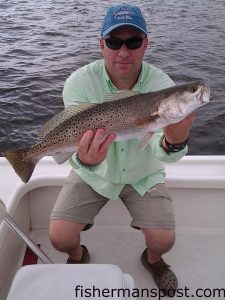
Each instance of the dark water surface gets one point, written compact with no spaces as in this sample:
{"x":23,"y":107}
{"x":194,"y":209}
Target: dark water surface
{"x":43,"y":42}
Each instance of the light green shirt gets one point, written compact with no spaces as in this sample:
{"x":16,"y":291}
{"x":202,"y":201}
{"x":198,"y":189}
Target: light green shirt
{"x":124,"y":164}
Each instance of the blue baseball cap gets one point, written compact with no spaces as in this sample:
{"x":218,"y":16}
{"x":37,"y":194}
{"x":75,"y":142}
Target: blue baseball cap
{"x":123,"y":14}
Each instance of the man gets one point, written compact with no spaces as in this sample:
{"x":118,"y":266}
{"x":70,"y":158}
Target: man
{"x":103,"y":169}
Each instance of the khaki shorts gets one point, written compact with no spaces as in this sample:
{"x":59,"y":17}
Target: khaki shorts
{"x":78,"y":202}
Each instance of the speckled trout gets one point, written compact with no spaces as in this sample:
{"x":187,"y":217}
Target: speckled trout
{"x":128,"y":114}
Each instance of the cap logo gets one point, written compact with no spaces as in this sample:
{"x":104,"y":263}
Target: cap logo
{"x":121,"y":15}
{"x":124,"y":14}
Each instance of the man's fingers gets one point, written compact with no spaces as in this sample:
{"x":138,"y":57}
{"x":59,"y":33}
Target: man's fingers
{"x":97,"y":140}
{"x":178,"y":132}
{"x":107,"y":142}
{"x":93,"y":147}
{"x":86,"y":141}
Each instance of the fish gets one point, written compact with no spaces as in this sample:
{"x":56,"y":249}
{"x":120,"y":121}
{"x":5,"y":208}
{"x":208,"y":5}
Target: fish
{"x":128,"y":114}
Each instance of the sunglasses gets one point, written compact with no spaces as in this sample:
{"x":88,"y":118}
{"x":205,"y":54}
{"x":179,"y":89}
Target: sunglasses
{"x":115,"y":43}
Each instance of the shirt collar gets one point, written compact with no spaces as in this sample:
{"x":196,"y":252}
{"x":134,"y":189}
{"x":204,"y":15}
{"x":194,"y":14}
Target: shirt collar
{"x":108,"y":80}
{"x":141,"y":76}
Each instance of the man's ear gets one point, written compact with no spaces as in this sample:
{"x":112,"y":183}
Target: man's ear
{"x":146,"y":43}
{"x":101,"y":44}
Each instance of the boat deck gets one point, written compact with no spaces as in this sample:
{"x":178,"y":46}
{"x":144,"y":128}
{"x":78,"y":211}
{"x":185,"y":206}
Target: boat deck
{"x":197,"y":257}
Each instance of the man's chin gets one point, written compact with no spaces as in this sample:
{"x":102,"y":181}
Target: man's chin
{"x":123,"y":72}
{"x":123,"y":66}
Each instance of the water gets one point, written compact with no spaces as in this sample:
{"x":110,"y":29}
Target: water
{"x":43,"y":42}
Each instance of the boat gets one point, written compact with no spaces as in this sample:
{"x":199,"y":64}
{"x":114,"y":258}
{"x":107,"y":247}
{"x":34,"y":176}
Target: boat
{"x":197,"y":186}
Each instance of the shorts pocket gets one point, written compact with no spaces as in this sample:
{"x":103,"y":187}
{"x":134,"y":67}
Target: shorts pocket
{"x":159,"y":190}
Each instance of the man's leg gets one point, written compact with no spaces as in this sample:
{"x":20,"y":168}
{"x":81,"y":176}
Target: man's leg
{"x":158,"y":241}
{"x":74,"y":211}
{"x":153,"y":214}
{"x":65,"y":237}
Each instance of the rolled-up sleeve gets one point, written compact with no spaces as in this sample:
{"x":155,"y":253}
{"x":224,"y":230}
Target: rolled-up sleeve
{"x":161,"y":154}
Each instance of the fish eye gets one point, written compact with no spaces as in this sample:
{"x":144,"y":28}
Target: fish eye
{"x":193,"y":89}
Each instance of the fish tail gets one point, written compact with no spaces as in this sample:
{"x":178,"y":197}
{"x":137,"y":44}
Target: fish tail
{"x":22,"y":164}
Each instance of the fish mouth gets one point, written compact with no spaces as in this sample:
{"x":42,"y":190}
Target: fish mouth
{"x":205,"y":94}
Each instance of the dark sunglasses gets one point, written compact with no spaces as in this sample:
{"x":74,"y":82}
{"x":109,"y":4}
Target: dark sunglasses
{"x":115,"y":43}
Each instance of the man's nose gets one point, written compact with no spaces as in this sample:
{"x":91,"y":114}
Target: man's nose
{"x":123,"y":52}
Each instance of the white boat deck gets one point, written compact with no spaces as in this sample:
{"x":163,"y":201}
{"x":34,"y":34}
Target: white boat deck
{"x":197,"y":257}
{"x":197,"y":185}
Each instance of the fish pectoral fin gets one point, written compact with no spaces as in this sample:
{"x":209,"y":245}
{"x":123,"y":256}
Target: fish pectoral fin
{"x":60,"y":158}
{"x":143,"y":121}
{"x":120,"y":95}
{"x":144,"y":140}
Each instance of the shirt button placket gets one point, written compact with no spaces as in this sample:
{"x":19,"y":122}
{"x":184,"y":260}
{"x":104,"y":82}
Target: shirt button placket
{"x":123,"y":169}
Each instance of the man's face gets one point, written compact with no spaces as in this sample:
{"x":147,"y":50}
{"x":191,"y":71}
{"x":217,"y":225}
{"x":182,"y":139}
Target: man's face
{"x":123,"y":63}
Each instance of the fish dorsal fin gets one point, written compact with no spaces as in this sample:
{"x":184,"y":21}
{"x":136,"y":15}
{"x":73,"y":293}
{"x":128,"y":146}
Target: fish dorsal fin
{"x":61,"y":117}
{"x":120,"y":95}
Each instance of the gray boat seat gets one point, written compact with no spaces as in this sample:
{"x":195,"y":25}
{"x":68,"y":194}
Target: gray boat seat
{"x":70,"y":282}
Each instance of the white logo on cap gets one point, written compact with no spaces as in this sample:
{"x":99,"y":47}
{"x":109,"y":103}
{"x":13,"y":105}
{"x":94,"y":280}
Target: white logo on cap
{"x":123,"y":14}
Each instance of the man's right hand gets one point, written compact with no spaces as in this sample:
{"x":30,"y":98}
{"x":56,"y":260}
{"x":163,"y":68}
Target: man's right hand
{"x":93,"y":147}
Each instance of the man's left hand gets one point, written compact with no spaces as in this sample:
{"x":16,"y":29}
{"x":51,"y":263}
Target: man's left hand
{"x":178,"y":133}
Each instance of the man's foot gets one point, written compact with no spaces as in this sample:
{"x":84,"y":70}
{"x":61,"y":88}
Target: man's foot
{"x":164,"y":278}
{"x":84,"y":259}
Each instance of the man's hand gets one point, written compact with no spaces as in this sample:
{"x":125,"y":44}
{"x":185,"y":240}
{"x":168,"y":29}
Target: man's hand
{"x":92,"y":148}
{"x":178,"y":133}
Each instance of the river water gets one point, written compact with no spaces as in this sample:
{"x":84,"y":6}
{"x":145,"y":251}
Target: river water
{"x":43,"y":42}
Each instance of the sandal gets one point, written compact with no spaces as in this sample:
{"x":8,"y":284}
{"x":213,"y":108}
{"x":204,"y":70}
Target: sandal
{"x":164,"y":278}
{"x":84,"y":259}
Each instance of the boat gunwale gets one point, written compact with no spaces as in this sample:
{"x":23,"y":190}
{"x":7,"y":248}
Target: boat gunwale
{"x":174,"y":178}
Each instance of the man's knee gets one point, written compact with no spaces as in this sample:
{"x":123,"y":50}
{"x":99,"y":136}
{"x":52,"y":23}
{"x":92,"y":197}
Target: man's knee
{"x":64,"y":234}
{"x":160,"y":238}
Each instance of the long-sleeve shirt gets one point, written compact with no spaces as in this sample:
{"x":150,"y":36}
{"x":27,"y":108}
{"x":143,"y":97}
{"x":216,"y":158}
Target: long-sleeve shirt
{"x":124,"y":164}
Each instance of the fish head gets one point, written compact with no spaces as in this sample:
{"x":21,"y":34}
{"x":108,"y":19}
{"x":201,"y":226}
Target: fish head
{"x":182,"y":100}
